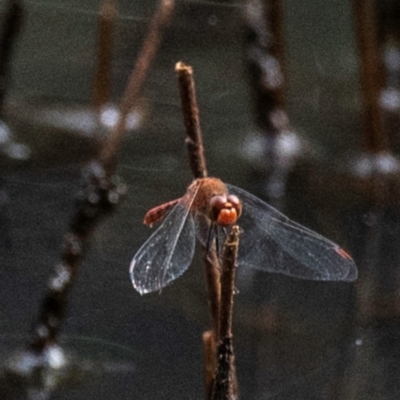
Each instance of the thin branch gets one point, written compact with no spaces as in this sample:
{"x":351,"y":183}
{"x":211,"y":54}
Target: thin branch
{"x":197,"y":164}
{"x":100,"y":197}
{"x":210,"y":360}
{"x":213,"y":276}
{"x":191,"y":118}
{"x":136,"y":80}
{"x":225,"y":382}
{"x":371,"y":73}
{"x":105,"y":39}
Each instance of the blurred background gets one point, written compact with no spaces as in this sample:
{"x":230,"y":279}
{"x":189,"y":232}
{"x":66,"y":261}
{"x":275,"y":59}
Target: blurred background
{"x":294,"y":339}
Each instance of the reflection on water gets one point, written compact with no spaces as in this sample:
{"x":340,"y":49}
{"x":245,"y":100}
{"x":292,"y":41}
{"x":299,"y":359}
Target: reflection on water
{"x":295,"y":339}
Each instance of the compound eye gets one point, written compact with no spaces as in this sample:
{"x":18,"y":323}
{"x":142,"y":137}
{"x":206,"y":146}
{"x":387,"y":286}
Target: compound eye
{"x":235,"y":203}
{"x":234,"y":200}
{"x":218,"y":202}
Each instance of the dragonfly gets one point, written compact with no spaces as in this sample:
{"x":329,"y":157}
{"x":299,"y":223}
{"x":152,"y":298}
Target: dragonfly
{"x":269,"y":240}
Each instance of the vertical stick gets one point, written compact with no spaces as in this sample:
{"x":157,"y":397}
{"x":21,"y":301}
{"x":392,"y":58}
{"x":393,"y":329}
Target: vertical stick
{"x":191,"y":118}
{"x":101,"y":196}
{"x":136,"y":80}
{"x":197,"y":164}
{"x":225,"y":382}
{"x":213,"y":268}
{"x":371,"y":71}
{"x":105,"y":40}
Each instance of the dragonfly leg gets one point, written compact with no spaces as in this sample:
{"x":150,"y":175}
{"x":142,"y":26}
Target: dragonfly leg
{"x":210,"y":236}
{"x":219,"y":245}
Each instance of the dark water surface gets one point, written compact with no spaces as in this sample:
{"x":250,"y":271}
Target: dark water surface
{"x":295,"y":339}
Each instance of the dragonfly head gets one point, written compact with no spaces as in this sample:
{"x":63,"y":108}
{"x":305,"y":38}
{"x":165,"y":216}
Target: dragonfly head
{"x":225,"y":209}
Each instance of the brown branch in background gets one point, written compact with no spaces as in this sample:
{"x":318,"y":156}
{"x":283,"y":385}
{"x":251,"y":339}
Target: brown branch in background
{"x":105,"y":38}
{"x":136,"y":80}
{"x":99,"y":198}
{"x":13,"y":20}
{"x":191,"y":118}
{"x":372,"y":77}
{"x":225,"y":383}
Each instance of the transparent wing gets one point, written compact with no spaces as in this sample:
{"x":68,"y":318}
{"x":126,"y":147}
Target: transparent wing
{"x":167,"y":254}
{"x":271,"y":242}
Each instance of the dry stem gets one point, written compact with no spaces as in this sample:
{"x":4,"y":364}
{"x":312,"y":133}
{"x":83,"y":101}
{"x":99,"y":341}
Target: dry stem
{"x":372,"y":77}
{"x":136,"y":80}
{"x":103,"y":71}
{"x":225,"y":382}
{"x":100,"y":196}
{"x":191,"y":118}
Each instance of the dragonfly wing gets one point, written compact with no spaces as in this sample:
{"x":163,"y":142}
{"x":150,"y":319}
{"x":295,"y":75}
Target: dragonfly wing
{"x":167,"y":254}
{"x":272,"y":242}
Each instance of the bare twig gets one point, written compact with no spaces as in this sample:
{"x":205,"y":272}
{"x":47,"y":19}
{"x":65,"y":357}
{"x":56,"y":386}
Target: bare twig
{"x":213,"y":274}
{"x":100,"y":196}
{"x":210,"y":360}
{"x":197,"y":164}
{"x":136,"y":80}
{"x":12,"y":25}
{"x":225,"y":382}
{"x":198,"y":167}
{"x":105,"y":39}
{"x":372,"y":78}
{"x":191,"y":118}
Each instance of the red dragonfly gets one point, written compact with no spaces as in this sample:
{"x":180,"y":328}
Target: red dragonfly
{"x":269,"y":241}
